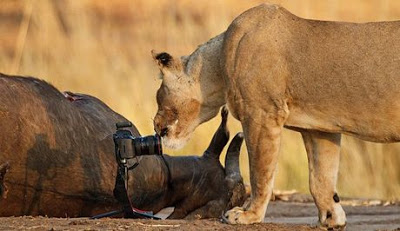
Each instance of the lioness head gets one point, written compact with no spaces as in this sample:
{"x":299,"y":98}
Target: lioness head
{"x":180,"y":98}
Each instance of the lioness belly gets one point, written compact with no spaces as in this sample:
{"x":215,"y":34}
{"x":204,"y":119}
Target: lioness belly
{"x":382,"y":129}
{"x":345,"y":77}
{"x":364,"y":104}
{"x":337,"y":96}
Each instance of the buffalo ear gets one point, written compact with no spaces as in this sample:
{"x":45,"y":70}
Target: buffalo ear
{"x":163,"y":59}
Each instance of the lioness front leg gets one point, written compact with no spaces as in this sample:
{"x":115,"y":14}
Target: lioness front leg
{"x":262,"y":133}
{"x":323,"y":150}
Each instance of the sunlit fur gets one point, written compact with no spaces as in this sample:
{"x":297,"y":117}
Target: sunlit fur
{"x":274,"y":70}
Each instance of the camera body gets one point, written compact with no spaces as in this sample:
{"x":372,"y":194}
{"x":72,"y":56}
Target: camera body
{"x":128,"y":147}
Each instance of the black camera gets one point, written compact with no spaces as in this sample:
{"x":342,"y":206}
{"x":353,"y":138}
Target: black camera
{"x":127,"y":146}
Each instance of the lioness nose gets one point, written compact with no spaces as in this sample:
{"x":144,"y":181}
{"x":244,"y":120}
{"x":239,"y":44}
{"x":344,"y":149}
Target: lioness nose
{"x":159,"y":128}
{"x":164,"y":132}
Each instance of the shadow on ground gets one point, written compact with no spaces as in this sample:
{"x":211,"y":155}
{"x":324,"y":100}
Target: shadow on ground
{"x":299,"y":213}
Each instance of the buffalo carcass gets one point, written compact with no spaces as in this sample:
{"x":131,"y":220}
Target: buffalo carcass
{"x":197,"y":186}
{"x":59,"y":154}
{"x":59,"y":149}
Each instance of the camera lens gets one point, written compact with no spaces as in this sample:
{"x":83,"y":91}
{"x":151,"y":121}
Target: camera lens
{"x":147,"y":145}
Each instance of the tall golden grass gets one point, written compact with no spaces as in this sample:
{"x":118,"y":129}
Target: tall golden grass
{"x":103,"y":48}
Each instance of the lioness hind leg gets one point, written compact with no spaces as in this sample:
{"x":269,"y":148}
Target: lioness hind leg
{"x":262,"y":133}
{"x":323,"y":151}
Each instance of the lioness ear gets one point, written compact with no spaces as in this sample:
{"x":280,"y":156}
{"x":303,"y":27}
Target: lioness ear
{"x":167,"y":63}
{"x":163,"y":59}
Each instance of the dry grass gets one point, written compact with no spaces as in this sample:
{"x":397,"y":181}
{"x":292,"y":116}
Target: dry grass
{"x":103,"y":48}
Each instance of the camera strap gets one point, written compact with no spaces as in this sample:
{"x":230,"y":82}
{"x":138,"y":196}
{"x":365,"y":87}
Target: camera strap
{"x":129,"y":210}
{"x":123,"y":179}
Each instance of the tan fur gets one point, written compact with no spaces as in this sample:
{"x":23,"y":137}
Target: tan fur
{"x":274,"y":70}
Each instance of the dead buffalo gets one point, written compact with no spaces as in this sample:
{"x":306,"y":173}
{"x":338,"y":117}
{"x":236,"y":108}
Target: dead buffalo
{"x":197,"y":186}
{"x":59,"y":149}
{"x":57,"y":159}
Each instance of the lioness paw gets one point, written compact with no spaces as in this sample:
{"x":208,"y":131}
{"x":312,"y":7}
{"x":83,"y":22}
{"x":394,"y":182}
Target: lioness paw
{"x":333,"y":220}
{"x":238,"y":215}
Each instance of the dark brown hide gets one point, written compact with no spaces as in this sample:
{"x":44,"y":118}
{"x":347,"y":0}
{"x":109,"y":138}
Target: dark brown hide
{"x":3,"y":188}
{"x":61,"y":152}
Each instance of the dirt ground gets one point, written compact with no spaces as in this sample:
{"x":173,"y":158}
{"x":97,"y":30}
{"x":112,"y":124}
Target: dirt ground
{"x":299,"y":213}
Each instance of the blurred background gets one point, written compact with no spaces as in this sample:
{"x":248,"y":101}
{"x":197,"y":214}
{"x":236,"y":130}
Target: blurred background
{"x":103,"y":48}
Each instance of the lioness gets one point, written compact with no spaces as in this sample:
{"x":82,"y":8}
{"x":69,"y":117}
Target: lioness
{"x":274,"y":70}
